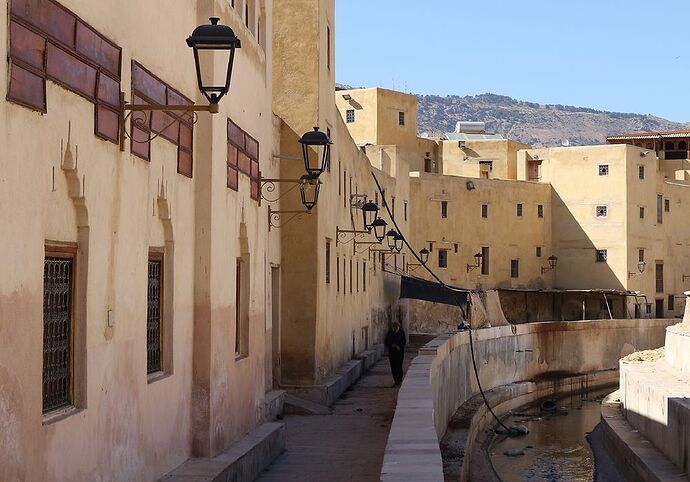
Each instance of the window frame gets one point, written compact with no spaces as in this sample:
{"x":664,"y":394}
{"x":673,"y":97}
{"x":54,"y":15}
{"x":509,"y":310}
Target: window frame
{"x":62,"y":251}
{"x":601,"y":255}
{"x":540,"y":211}
{"x":401,"y":118}
{"x":485,"y":211}
{"x":158,"y":257}
{"x":444,"y":209}
{"x":601,"y":211}
{"x":350,"y":116}
{"x":514,"y":268}
{"x":519,"y":210}
{"x":442,"y":258}
{"x":603,"y":170}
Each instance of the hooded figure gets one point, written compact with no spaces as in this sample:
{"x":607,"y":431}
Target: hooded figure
{"x":395,"y":342}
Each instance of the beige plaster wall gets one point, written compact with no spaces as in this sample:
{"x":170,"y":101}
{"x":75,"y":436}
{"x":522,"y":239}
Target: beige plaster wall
{"x":507,"y":235}
{"x":459,"y":161}
{"x":117,"y":206}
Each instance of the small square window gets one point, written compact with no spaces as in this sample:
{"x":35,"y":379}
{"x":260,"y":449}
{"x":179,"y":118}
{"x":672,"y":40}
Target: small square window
{"x":640,"y":172}
{"x":540,"y":210}
{"x":602,"y":211}
{"x":485,"y":210}
{"x":667,"y":205}
{"x":602,"y":255}
{"x":641,"y":213}
{"x":603,"y":169}
{"x":519,"y":210}
{"x":350,"y":116}
{"x":401,"y":118}
{"x":538,"y":251}
{"x":442,"y":258}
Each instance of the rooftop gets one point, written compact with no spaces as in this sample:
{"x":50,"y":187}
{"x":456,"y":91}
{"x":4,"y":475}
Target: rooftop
{"x":650,"y":135}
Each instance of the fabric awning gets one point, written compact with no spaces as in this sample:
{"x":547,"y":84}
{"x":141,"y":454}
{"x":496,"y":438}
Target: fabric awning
{"x":421,"y":289}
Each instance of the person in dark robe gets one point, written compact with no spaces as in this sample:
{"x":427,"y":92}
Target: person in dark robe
{"x":395,"y":342}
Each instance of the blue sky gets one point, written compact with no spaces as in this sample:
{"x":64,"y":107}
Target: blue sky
{"x":618,"y":55}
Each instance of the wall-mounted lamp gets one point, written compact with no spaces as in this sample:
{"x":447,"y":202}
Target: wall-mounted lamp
{"x":395,"y":240}
{"x":309,"y":189}
{"x":206,"y":41}
{"x":470,"y":186}
{"x":314,"y":162}
{"x":379,"y":227}
{"x":370,"y":212}
{"x":423,"y":256}
{"x":477,"y":262}
{"x":640,"y":269}
{"x":553,"y":262}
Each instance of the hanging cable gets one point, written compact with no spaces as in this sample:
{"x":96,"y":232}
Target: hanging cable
{"x":509,"y":431}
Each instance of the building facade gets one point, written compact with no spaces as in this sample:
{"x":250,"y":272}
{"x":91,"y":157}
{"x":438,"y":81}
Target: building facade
{"x":135,"y":304}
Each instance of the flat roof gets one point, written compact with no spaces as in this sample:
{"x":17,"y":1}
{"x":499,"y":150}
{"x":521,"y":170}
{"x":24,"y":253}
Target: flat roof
{"x":649,"y":135}
{"x":461,"y":136}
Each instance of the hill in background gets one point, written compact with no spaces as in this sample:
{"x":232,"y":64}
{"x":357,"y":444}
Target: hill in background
{"x":536,"y":124}
{"x":531,"y":123}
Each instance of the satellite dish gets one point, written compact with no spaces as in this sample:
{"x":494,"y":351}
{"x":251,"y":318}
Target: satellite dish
{"x":565,"y":143}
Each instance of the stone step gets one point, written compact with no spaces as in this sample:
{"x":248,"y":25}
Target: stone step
{"x":656,"y":401}
{"x":244,"y":461}
{"x":274,"y":403}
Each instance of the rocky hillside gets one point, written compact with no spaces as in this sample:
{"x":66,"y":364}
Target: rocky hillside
{"x":535,"y":124}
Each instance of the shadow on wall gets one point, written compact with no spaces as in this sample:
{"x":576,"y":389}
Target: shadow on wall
{"x":577,"y":253}
{"x":526,"y":307}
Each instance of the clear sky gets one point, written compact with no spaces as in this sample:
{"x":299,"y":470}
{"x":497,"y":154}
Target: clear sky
{"x":618,"y":55}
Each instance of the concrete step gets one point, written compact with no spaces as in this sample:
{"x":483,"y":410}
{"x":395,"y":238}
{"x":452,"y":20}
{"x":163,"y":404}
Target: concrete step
{"x":244,"y":461}
{"x":273,"y":403}
{"x":296,"y":405}
{"x":678,"y":346}
{"x":656,"y":401}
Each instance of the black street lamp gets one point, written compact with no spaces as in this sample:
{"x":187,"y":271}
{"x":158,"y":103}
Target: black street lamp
{"x":477,"y":262}
{"x":379,"y":227}
{"x":309,"y":188}
{"x":424,"y":255}
{"x":318,"y":163}
{"x":369,"y":212}
{"x":206,"y":41}
{"x":553,"y":262}
{"x":399,"y":240}
{"x":390,"y":236}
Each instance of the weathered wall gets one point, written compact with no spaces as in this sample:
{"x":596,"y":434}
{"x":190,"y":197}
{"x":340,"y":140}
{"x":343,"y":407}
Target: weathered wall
{"x":60,"y":183}
{"x":441,"y":377}
{"x":507,"y":235}
{"x":502,"y":153}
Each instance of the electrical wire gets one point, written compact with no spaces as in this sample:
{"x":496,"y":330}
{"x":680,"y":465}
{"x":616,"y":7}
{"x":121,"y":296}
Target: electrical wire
{"x":509,"y":431}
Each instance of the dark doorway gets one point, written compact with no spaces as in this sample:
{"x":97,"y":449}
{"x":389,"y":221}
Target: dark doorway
{"x":660,"y":308}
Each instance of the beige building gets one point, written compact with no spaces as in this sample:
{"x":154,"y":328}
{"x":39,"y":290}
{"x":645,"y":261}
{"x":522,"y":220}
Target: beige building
{"x":136,"y":289}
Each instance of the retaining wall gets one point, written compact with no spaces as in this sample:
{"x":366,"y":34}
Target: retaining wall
{"x":441,"y":378}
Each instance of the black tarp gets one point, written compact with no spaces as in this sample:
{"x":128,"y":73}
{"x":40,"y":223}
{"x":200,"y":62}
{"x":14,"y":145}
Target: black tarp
{"x":420,"y":289}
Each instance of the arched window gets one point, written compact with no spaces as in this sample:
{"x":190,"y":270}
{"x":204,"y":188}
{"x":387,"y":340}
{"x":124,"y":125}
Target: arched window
{"x":670,"y":146}
{"x":682,"y":146}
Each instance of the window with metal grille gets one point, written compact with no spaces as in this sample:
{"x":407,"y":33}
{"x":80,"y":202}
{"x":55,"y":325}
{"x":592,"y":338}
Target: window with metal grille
{"x":514,"y":268}
{"x":659,"y":209}
{"x":350,"y":116}
{"x":405,"y":210}
{"x":444,"y":209}
{"x":659,"y":277}
{"x":401,"y":118}
{"x":667,"y":205}
{"x":519,"y":210}
{"x":640,"y":172}
{"x":640,"y":254}
{"x":357,"y":276}
{"x":364,"y":276}
{"x":538,"y":251}
{"x":442,"y":258}
{"x":601,"y":211}
{"x":153,"y":316}
{"x":57,"y":332}
{"x":540,"y":210}
{"x":671,"y":302}
{"x":641,"y":212}
{"x":601,"y":255}
{"x":485,"y":210}
{"x":603,"y":169}
{"x":337,"y":273}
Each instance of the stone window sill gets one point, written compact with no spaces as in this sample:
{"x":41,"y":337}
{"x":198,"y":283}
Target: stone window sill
{"x":156,"y":376}
{"x":60,"y":414}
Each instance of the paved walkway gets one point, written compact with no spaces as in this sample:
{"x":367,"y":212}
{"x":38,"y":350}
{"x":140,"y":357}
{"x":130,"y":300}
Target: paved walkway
{"x":347,"y":445}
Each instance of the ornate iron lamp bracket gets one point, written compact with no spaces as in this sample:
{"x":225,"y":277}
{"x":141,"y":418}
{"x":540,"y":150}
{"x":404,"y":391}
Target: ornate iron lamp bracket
{"x":275,"y":217}
{"x":342,"y":233}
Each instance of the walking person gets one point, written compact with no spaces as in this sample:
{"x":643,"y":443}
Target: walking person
{"x":395,"y":342}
